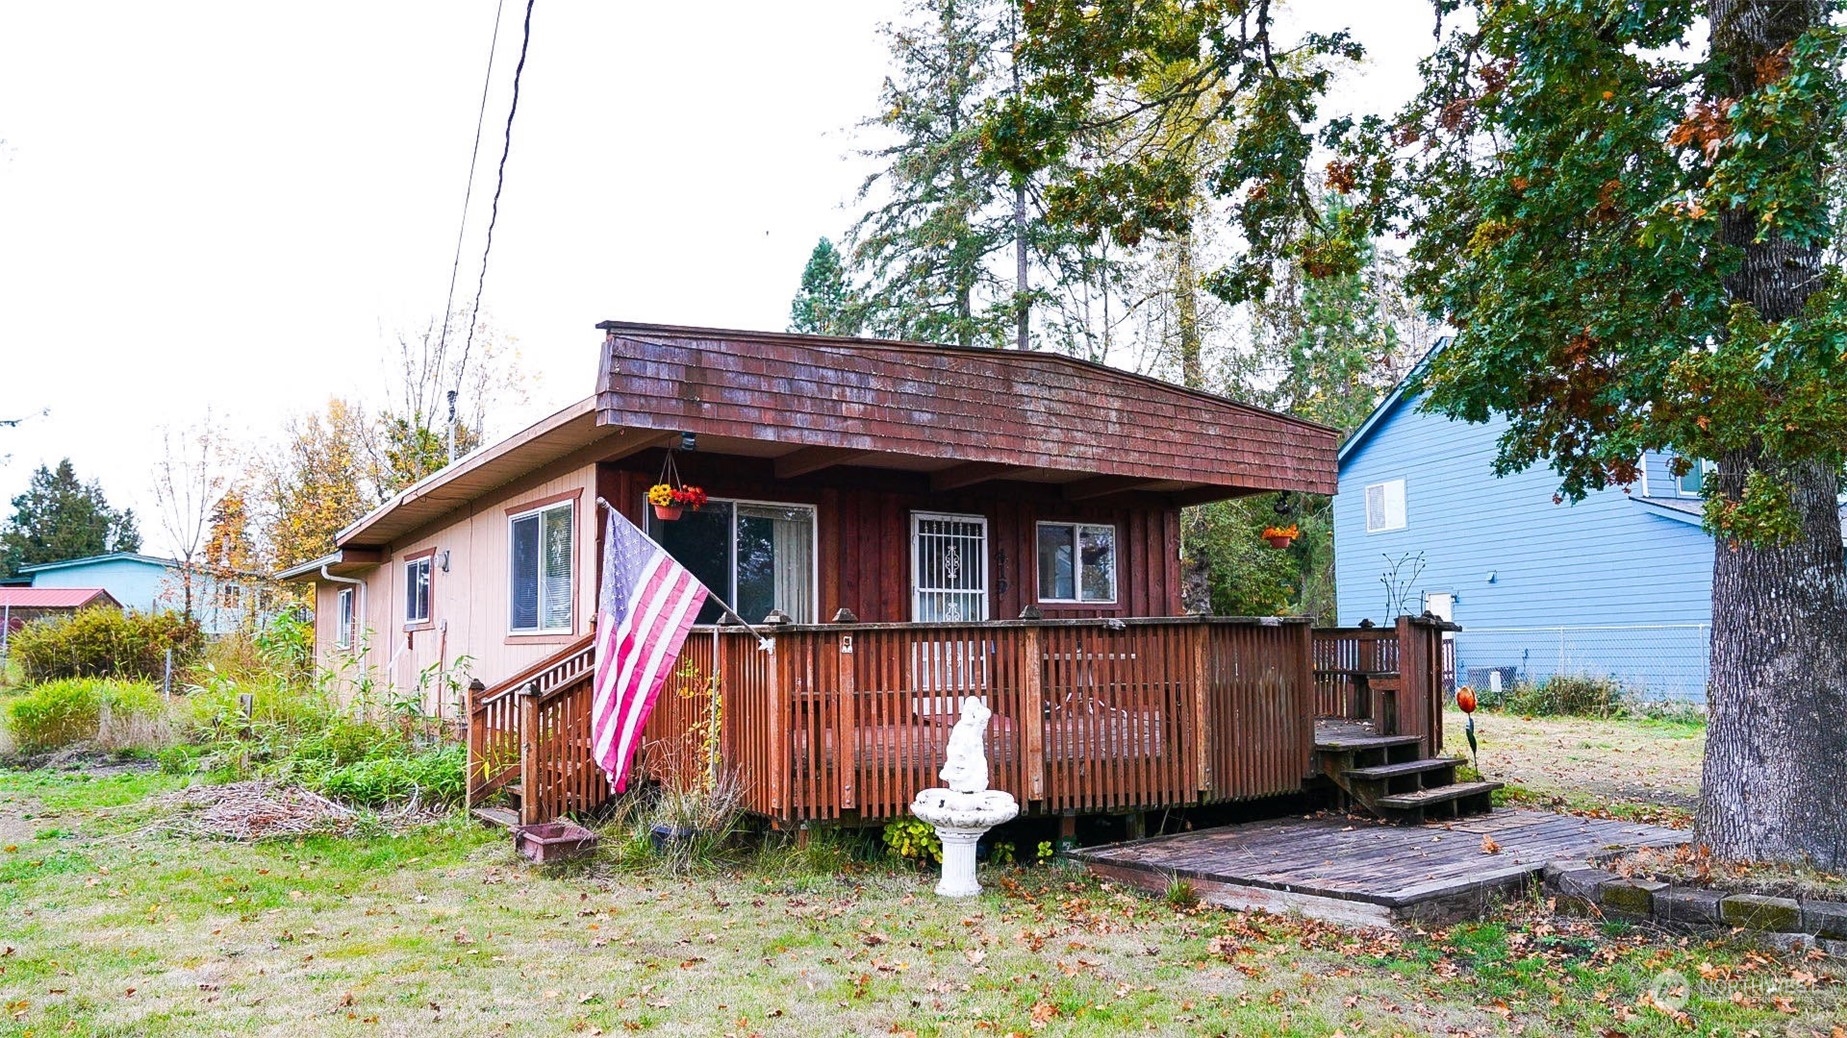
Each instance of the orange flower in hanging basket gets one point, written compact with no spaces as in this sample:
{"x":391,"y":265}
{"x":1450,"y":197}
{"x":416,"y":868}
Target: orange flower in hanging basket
{"x":1281,"y":536}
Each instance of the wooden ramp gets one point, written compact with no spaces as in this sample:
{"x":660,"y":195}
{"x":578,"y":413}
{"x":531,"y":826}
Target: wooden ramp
{"x":1365,"y":872}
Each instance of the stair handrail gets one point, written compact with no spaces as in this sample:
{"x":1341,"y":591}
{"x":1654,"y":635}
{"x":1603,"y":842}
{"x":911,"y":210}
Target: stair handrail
{"x":520,"y":679}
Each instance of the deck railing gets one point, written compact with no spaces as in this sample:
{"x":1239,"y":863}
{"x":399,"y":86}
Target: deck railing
{"x":850,"y":721}
{"x":1392,"y":677}
{"x":532,"y":731}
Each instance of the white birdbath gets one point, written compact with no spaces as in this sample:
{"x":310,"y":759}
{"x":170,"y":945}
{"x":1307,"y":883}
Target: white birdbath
{"x":967,"y":808}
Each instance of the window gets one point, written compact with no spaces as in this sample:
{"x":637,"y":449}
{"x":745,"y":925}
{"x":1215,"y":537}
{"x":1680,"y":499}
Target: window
{"x":1693,"y":484}
{"x":343,"y":619}
{"x":1077,"y":562}
{"x":417,"y":590}
{"x":542,"y":555}
{"x":1385,"y":506}
{"x":949,"y":568}
{"x":759,"y":555}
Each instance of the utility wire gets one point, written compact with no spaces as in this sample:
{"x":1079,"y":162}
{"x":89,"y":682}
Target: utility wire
{"x":474,"y":156}
{"x":500,"y":181}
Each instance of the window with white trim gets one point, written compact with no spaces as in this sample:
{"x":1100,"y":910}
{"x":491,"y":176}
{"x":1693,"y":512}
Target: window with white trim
{"x":1693,"y":483}
{"x":417,"y":591}
{"x":343,"y":618}
{"x":1385,"y":506}
{"x":540,"y":565}
{"x":1077,"y":563}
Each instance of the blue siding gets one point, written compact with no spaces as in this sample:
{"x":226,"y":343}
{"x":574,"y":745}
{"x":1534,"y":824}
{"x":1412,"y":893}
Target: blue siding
{"x":134,"y":583}
{"x":1604,"y":562}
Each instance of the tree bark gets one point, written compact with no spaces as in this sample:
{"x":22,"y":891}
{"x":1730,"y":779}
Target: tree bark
{"x":1186,"y":307}
{"x":1775,"y":779}
{"x":1021,"y":288}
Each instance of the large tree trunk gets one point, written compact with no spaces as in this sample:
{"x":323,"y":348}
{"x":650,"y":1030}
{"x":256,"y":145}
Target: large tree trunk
{"x":1775,"y":778}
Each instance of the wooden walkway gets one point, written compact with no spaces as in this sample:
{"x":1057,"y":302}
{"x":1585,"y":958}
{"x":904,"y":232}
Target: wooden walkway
{"x":1359,"y":871}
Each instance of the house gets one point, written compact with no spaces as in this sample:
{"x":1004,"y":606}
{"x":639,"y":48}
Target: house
{"x":22,"y":605}
{"x":912,"y":522}
{"x":1617,"y":585}
{"x":151,"y":584}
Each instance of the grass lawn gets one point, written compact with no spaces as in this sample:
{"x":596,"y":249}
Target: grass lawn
{"x":1641,"y":769}
{"x":110,"y":925}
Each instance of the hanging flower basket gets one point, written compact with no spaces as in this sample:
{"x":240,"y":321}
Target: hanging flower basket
{"x":670,"y":497}
{"x":1281,"y":536}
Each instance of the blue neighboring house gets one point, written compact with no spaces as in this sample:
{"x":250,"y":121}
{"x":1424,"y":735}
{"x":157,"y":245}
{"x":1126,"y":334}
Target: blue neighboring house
{"x":1617,"y":585}
{"x":149,"y":583}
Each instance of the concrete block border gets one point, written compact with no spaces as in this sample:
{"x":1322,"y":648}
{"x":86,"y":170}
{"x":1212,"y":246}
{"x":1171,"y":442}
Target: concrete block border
{"x":1782,"y":921}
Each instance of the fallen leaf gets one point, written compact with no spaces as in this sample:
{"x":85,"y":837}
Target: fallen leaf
{"x":1488,"y":846}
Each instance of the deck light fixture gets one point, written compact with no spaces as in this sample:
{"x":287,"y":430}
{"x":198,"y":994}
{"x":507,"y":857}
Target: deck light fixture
{"x":689,"y":441}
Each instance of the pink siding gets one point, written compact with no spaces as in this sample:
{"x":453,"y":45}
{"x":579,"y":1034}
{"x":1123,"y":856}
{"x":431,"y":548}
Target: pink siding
{"x":468,"y":604}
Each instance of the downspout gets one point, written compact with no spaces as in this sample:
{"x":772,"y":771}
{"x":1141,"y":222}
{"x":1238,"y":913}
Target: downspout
{"x":359,"y":597}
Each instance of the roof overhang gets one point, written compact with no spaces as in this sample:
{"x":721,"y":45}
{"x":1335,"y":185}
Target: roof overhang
{"x":958,"y":414}
{"x":345,"y":562}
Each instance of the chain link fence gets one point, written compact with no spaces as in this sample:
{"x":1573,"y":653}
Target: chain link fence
{"x":1654,"y":662}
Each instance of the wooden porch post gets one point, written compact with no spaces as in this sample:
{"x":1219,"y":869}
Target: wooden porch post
{"x":846,"y":753}
{"x":472,"y":736}
{"x":529,"y":754}
{"x":1032,"y":706}
{"x":1202,"y":704}
{"x":782,"y":730}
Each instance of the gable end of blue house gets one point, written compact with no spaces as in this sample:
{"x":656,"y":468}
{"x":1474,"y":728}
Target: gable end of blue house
{"x":1617,"y":585}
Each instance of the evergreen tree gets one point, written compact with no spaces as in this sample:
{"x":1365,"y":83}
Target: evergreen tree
{"x":825,"y":304}
{"x":926,"y":247}
{"x":60,"y":518}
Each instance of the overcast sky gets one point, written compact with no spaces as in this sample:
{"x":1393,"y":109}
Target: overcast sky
{"x":239,"y":206}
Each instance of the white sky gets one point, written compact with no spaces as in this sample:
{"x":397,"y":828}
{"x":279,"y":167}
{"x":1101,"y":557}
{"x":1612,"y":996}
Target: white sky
{"x":238,"y":206}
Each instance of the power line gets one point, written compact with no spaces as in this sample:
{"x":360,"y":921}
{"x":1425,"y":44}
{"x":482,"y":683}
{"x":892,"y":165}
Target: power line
{"x":474,"y":156}
{"x":500,"y":182}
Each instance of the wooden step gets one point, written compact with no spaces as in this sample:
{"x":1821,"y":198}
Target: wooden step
{"x":1437,"y":795}
{"x":499,"y":816}
{"x":1347,"y":743}
{"x":1413,"y":767}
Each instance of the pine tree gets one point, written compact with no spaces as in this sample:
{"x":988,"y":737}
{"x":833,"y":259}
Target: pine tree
{"x":60,"y":518}
{"x":926,"y":247}
{"x":825,"y":304}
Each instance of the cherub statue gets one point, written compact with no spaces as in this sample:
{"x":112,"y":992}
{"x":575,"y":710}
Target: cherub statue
{"x":965,"y":769}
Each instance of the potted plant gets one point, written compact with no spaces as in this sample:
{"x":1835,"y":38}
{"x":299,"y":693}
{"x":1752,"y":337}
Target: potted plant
{"x":660,"y":495}
{"x":1281,"y":536}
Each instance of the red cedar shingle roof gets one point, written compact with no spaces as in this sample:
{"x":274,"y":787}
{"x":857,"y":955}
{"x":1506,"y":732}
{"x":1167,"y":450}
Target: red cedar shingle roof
{"x":54,"y":597}
{"x":955,"y":405}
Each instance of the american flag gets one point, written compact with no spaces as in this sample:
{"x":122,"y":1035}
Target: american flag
{"x":645,"y":606}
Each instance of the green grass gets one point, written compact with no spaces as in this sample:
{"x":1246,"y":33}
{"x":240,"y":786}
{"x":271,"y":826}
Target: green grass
{"x":117,"y":927}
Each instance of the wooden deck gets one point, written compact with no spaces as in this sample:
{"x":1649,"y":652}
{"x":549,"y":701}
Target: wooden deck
{"x":1356,"y":871}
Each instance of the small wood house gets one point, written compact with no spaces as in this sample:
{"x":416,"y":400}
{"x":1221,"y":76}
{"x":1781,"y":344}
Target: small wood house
{"x":22,"y":605}
{"x":923,"y":521}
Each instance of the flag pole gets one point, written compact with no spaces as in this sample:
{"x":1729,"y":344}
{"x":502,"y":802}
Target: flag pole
{"x":763,"y":640}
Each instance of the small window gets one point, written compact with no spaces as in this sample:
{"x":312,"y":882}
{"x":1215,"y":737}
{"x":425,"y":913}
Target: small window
{"x":1077,"y":563}
{"x":541,"y":563}
{"x":417,"y":591}
{"x":1385,"y":506}
{"x":343,"y":619}
{"x":1693,"y":484}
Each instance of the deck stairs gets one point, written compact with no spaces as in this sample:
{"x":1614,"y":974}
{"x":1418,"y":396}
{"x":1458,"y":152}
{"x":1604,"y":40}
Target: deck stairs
{"x":1389,"y":777}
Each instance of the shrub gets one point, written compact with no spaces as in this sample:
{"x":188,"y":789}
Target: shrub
{"x":105,"y":643}
{"x":1568,"y":694}
{"x":435,"y":778}
{"x":58,"y":713}
{"x":913,"y":839}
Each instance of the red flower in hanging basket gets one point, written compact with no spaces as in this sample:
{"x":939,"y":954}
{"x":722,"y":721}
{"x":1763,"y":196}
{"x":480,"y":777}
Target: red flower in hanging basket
{"x":690,"y":496}
{"x":1281,"y":536}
